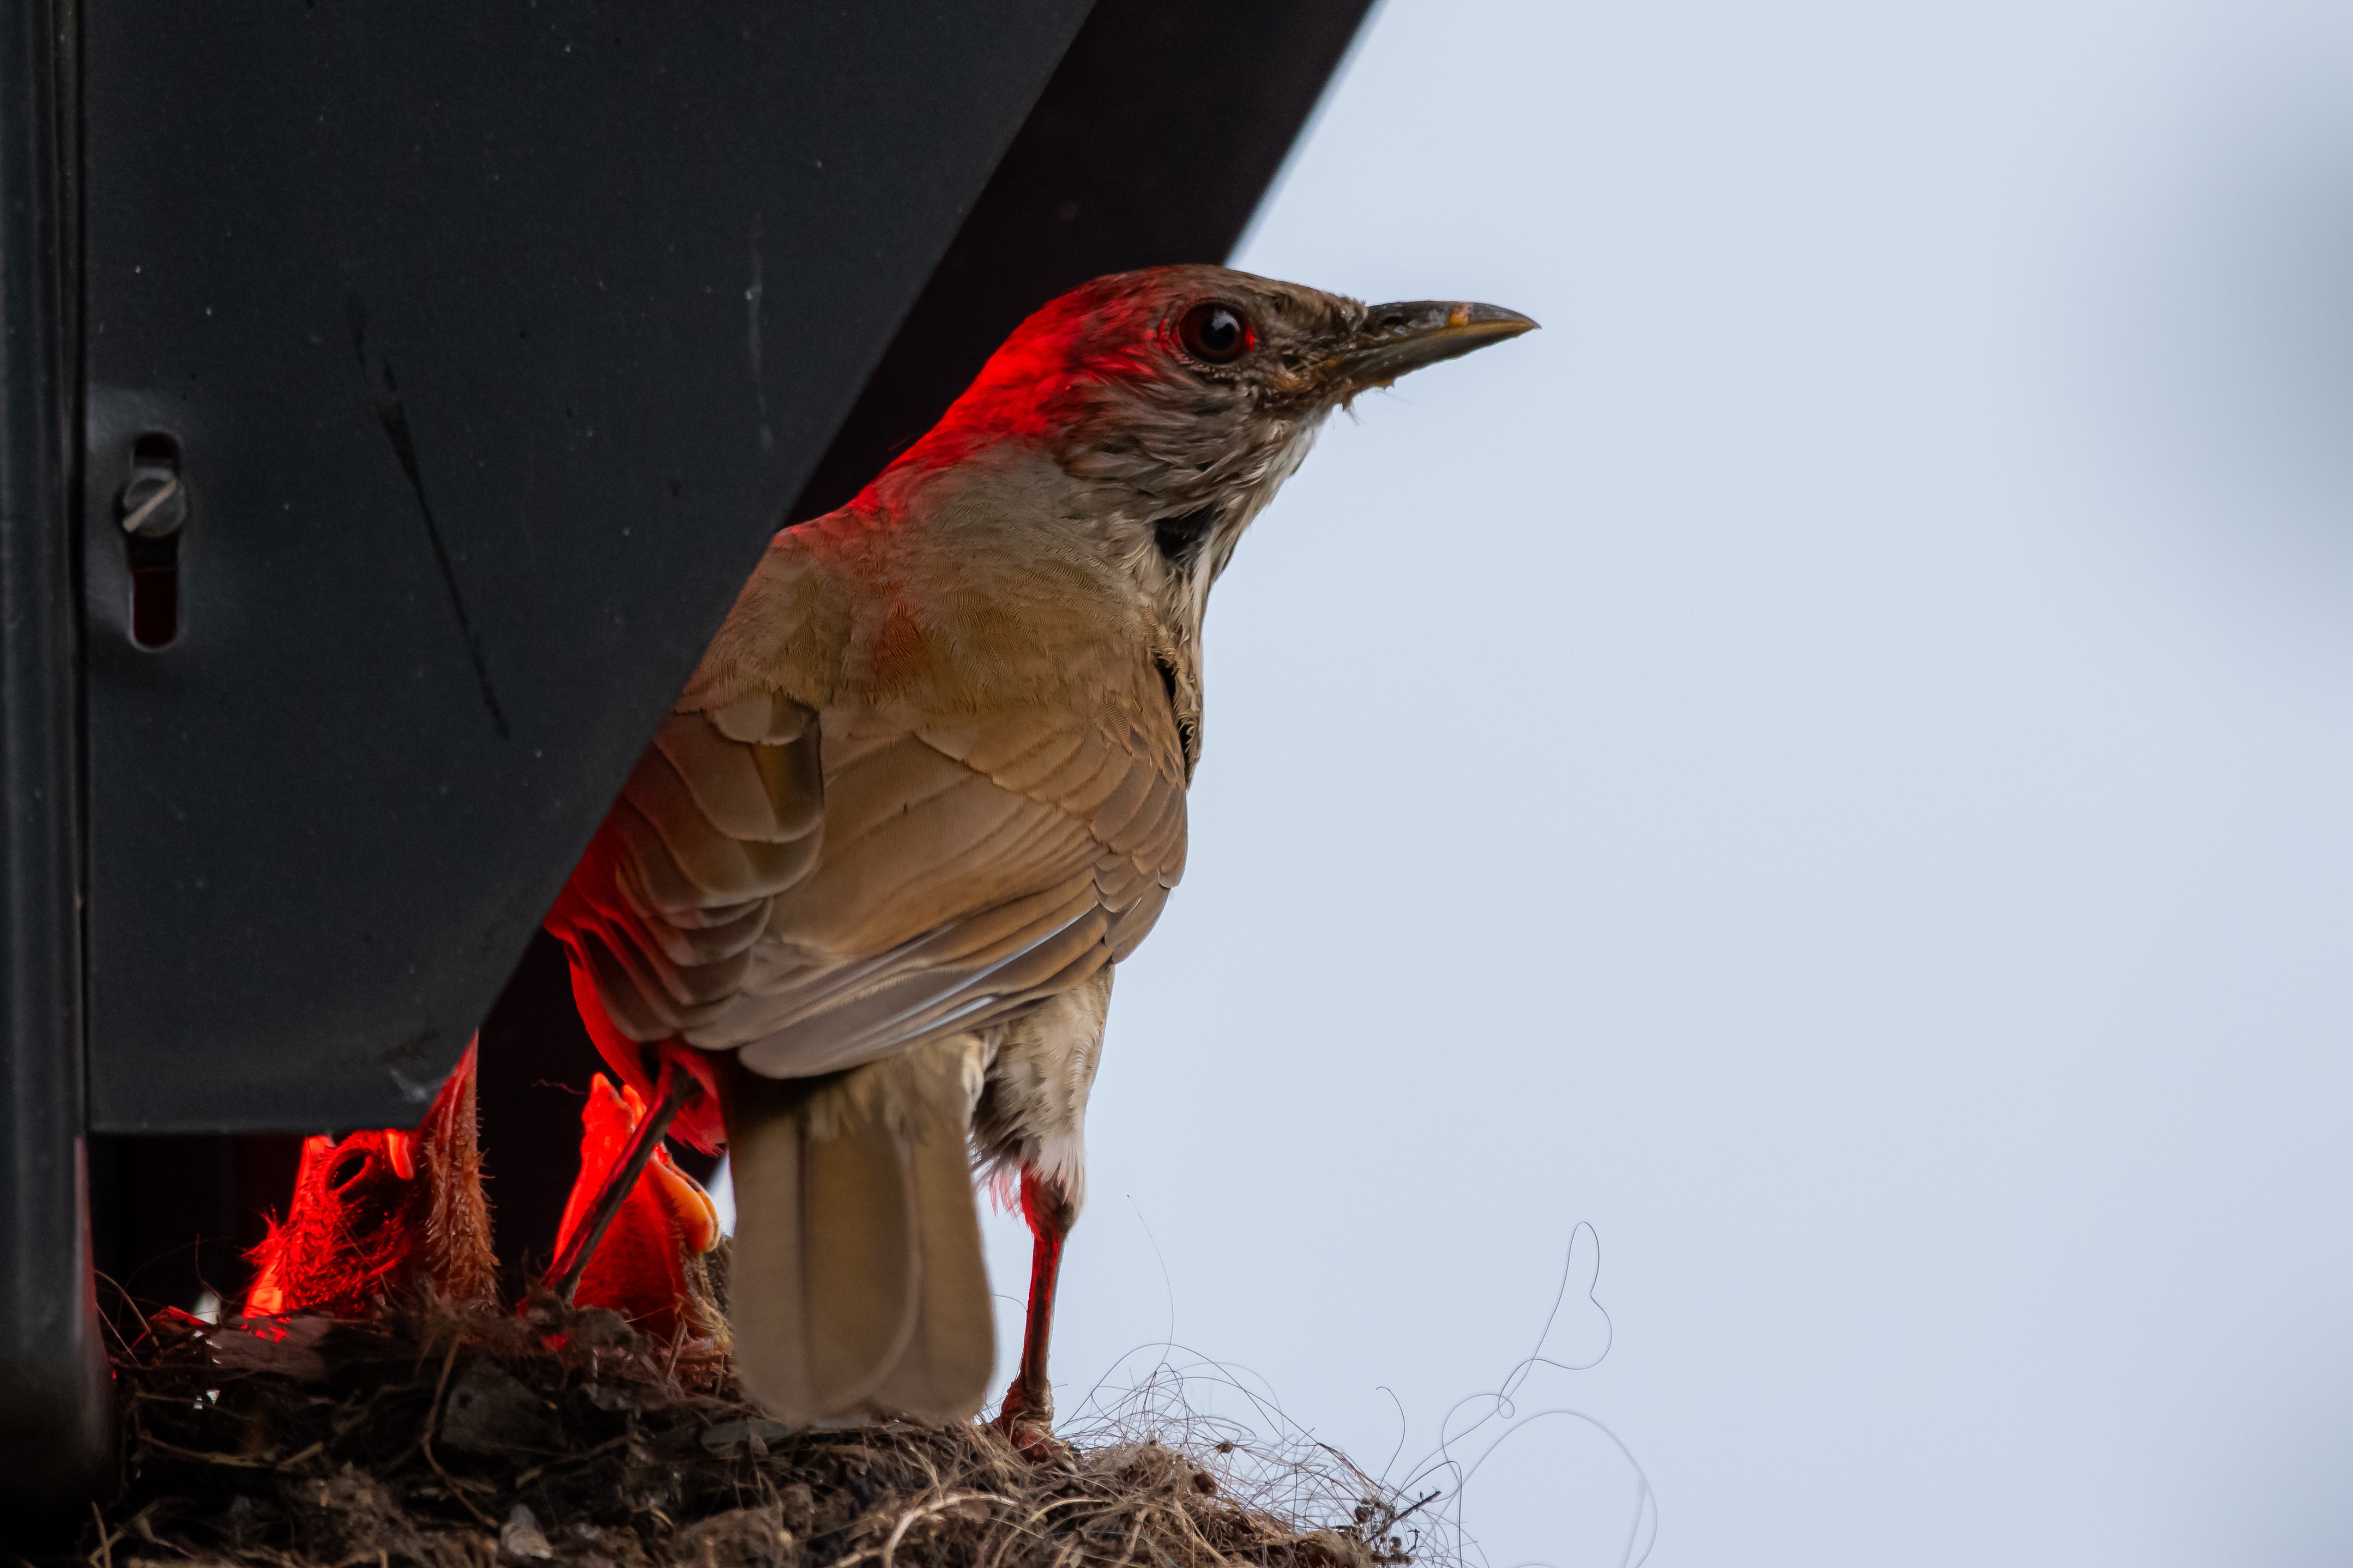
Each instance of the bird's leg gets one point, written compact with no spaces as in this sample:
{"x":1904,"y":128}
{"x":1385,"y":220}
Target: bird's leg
{"x":673,"y":1090}
{"x":1028,"y":1415}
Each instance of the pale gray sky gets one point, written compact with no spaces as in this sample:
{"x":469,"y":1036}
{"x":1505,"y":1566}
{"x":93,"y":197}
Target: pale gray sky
{"x":1832,"y":763}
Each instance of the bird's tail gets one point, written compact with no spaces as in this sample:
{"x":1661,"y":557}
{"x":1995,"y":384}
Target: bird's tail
{"x":856,"y":1288}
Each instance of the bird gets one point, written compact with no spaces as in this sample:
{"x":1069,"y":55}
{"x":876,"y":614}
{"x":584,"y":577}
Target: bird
{"x":856,"y":914}
{"x":380,"y":1212}
{"x":652,"y":1263}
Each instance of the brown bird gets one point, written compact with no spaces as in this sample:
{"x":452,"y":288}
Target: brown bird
{"x":861,"y":900}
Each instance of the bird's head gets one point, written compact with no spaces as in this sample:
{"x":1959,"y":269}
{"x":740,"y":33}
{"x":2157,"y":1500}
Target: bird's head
{"x":1185,"y":396}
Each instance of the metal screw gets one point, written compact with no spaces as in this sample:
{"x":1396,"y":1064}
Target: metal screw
{"x":154,"y":503}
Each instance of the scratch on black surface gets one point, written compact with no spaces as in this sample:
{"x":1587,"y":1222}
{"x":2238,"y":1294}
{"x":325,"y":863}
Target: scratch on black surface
{"x":753,"y":297}
{"x":395,"y":420}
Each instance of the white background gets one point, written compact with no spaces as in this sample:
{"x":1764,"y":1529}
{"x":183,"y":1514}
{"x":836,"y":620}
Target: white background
{"x":1831,"y":762}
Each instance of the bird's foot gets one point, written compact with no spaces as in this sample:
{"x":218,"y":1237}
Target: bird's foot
{"x":1026,"y":1420}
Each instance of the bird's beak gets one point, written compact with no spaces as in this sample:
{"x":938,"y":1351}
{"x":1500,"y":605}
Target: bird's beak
{"x":1404,"y":337}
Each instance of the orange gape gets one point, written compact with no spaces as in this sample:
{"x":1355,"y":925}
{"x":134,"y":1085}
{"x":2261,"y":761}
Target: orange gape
{"x":649,"y":1265}
{"x":379,"y":1210}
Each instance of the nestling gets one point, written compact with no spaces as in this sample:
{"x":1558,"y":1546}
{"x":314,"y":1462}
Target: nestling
{"x":861,"y":904}
{"x":382,"y":1212}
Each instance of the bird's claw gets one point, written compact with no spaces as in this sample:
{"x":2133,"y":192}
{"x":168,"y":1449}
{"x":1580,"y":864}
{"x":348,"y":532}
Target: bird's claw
{"x":1038,"y":1444}
{"x":1026,"y":1420}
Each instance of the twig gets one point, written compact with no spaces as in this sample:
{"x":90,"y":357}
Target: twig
{"x":233,"y":1460}
{"x":107,"y":1320}
{"x":102,"y":1556}
{"x":1127,"y":1549}
{"x":1005,"y":1542}
{"x":675,"y":1089}
{"x":536,"y":1471}
{"x":925,"y":1510}
{"x":1184,"y":1516}
{"x":1058,"y":1502}
{"x":425,"y":1439}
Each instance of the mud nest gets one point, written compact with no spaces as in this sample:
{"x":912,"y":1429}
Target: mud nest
{"x":462,"y":1440}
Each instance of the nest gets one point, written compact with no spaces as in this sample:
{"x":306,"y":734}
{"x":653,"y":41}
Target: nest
{"x":463,"y":1439}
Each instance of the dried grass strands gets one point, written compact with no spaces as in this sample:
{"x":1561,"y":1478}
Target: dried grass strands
{"x":427,"y":1437}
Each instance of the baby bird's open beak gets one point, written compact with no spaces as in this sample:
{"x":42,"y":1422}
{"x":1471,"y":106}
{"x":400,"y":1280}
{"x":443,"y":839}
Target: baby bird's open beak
{"x":1394,"y":339}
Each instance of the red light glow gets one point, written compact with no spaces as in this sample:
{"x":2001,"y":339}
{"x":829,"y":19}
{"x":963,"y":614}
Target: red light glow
{"x":377,"y":1211}
{"x":645,"y":1266}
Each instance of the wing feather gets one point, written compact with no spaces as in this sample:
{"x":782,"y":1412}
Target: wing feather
{"x":669,"y":904}
{"x":819,"y":891}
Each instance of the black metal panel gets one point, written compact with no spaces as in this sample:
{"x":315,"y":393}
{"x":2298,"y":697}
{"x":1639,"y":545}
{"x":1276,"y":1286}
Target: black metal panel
{"x":53,"y":1388}
{"x":492,"y":342}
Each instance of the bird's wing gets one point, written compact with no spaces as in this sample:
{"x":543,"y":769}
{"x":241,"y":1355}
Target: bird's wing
{"x":724,"y":811}
{"x":865,"y":827}
{"x":969,"y":869}
{"x":822,"y":900}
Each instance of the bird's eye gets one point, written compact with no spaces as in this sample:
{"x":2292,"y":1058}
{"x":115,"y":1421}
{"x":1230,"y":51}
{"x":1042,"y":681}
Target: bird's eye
{"x":1215,"y":333}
